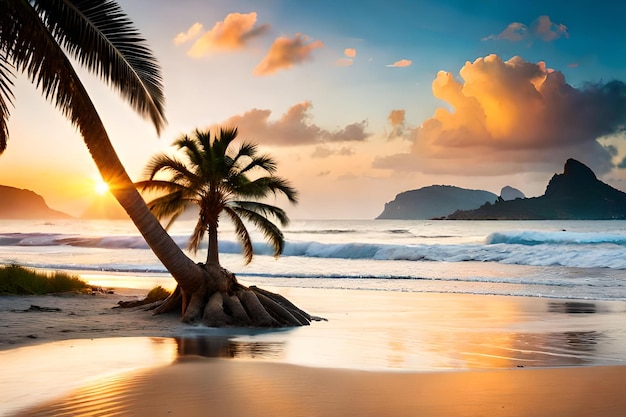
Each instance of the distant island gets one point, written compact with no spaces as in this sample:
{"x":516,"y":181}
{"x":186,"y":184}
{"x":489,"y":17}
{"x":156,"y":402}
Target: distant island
{"x":25,"y":204}
{"x":434,"y":201}
{"x":576,"y":194}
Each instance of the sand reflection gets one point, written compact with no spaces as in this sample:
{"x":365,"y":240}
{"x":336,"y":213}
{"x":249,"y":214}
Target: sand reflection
{"x":227,"y":347}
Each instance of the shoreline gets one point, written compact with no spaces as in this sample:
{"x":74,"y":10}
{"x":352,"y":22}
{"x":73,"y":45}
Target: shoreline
{"x":456,"y":339}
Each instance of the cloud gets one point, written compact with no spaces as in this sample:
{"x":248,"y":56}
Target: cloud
{"x":293,"y":128}
{"x":546,"y":30}
{"x":285,"y":53}
{"x":230,"y":34}
{"x":344,"y":62}
{"x":325,"y":152}
{"x":348,"y":59}
{"x":510,"y":115}
{"x":542,"y":28}
{"x":401,"y":63}
{"x":192,"y":33}
{"x":396,"y":119}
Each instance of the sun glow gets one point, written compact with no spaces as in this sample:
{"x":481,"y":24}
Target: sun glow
{"x":101,"y":187}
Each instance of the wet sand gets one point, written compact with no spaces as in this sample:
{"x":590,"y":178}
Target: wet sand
{"x":380,"y":353}
{"x":229,"y":388}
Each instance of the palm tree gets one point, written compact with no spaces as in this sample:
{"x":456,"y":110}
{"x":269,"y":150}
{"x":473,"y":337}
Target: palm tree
{"x":216,"y":178}
{"x":38,"y":38}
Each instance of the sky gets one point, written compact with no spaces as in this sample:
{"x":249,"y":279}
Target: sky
{"x":359,"y":100}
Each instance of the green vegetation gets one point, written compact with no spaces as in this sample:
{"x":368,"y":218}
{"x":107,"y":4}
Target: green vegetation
{"x":212,"y":173}
{"x":158,"y":293}
{"x":16,"y":279}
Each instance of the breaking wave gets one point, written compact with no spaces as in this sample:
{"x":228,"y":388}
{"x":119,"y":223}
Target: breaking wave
{"x":569,"y":249}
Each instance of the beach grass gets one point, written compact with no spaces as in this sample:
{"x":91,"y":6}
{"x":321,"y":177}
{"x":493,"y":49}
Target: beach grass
{"x":157,"y":293}
{"x":19,"y":280}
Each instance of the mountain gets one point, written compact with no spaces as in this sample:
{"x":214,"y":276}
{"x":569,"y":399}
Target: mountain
{"x":25,"y":204}
{"x":576,"y":194}
{"x":509,"y":193}
{"x":434,"y":201}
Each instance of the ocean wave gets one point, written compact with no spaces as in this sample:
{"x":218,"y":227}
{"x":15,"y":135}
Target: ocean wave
{"x":577,"y":250}
{"x":554,"y":238}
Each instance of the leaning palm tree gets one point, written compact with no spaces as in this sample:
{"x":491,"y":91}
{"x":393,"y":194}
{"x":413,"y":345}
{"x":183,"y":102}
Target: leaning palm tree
{"x":39,"y":38}
{"x":223,"y":181}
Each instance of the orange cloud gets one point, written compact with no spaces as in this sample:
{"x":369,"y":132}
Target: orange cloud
{"x":231,"y":34}
{"x":505,"y":115}
{"x":348,"y":59}
{"x":542,"y":28}
{"x":285,"y":53}
{"x":192,"y":33}
{"x":293,"y":128}
{"x":344,"y":62}
{"x":401,"y":63}
{"x":396,"y":119}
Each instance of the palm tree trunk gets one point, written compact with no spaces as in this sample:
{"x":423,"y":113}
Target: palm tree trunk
{"x":213,"y":256}
{"x":188,"y":275}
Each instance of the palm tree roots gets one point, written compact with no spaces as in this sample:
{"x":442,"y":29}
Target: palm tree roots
{"x":230,"y":304}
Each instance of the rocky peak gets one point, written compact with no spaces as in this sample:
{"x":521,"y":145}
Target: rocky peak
{"x":575,"y":177}
{"x":578,"y":171}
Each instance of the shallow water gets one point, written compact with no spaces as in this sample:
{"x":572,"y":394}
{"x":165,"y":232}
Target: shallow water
{"x":369,"y":330}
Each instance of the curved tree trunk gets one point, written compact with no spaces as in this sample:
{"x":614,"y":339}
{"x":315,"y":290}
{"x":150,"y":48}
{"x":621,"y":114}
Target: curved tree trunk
{"x":205,"y":294}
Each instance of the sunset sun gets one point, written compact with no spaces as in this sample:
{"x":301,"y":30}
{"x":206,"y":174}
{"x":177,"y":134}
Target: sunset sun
{"x":101,"y":187}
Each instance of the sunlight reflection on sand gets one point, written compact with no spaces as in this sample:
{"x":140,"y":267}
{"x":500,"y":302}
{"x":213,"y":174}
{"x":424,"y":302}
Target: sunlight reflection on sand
{"x":33,"y":374}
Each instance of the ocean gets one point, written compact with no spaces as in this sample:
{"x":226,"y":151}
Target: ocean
{"x":583,"y":260}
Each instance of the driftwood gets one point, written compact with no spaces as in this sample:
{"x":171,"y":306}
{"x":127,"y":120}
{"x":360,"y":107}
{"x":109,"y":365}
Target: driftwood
{"x":223,"y":302}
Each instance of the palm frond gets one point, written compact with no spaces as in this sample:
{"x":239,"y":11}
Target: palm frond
{"x":265,"y":210}
{"x":101,"y":37}
{"x":190,"y":147}
{"x":159,"y":186}
{"x":162,"y":163}
{"x":261,"y":187}
{"x":197,"y":236}
{"x":243,"y":236}
{"x":31,"y":49}
{"x":263,"y":162}
{"x":172,"y":204}
{"x":270,"y":231}
{"x":226,"y":137}
{"x":247,"y":149}
{"x":6,"y":99}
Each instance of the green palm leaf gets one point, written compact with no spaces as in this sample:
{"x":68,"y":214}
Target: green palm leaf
{"x":215,"y":177}
{"x":100,"y":36}
{"x":242,"y":235}
{"x":265,"y":210}
{"x":6,"y":99}
{"x":31,"y":38}
{"x":270,"y":231}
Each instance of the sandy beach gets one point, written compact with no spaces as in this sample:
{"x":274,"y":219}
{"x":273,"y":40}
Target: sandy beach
{"x":380,"y":353}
